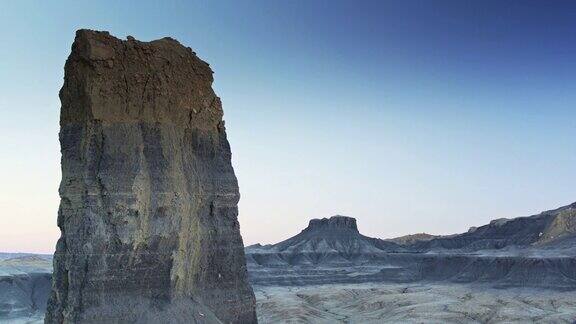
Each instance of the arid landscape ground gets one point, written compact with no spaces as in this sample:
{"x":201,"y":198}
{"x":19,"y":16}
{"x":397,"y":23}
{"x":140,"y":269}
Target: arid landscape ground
{"x":412,"y":303}
{"x":22,"y":295}
{"x":515,"y":270}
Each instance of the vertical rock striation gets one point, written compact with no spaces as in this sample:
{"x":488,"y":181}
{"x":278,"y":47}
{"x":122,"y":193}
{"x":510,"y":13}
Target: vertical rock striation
{"x":148,"y":209}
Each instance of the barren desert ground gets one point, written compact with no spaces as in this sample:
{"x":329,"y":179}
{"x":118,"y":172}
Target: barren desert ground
{"x":423,"y":303}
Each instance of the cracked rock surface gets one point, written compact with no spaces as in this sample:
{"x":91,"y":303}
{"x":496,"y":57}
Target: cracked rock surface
{"x":148,"y":210}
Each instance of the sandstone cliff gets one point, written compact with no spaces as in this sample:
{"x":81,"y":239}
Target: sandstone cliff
{"x":148,"y":209}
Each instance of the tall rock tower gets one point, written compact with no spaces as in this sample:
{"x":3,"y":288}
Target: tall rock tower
{"x":148,"y":209}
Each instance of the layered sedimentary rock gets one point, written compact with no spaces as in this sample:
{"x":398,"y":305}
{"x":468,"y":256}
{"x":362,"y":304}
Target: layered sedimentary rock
{"x":337,"y":234}
{"x":148,"y":209}
{"x":548,"y":229}
{"x":535,"y":251}
{"x":24,"y":286}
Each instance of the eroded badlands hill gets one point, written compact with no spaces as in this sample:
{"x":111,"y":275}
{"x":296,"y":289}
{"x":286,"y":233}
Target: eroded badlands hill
{"x":535,"y":251}
{"x":549,"y":230}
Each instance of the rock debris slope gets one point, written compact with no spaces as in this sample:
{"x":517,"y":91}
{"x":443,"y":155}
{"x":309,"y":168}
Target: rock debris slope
{"x":148,"y":209}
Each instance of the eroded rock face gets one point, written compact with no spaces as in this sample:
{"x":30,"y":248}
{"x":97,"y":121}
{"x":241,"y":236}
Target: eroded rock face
{"x":325,"y":239}
{"x":148,"y":210}
{"x":337,"y":222}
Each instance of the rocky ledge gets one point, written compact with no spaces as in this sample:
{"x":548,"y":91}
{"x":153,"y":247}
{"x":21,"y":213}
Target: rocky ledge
{"x":336,"y":223}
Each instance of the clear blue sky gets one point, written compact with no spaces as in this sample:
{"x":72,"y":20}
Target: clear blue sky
{"x":411,"y":116}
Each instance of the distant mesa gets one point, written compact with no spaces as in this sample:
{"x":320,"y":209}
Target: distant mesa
{"x":334,"y":223}
{"x":328,"y":236}
{"x":340,"y":234}
{"x":534,"y":251}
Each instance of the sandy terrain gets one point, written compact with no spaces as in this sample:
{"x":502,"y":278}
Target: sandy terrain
{"x":429,"y":303}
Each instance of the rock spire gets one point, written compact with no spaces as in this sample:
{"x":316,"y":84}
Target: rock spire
{"x":148,"y":210}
